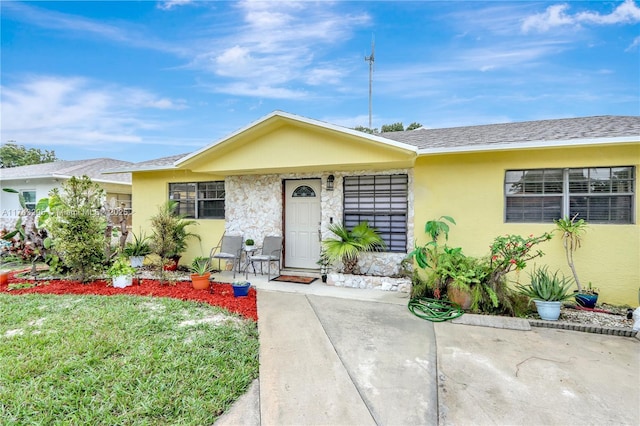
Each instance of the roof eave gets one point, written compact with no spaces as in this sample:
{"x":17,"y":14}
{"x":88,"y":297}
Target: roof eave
{"x":293,"y":117}
{"x":511,"y":146}
{"x":141,"y":169}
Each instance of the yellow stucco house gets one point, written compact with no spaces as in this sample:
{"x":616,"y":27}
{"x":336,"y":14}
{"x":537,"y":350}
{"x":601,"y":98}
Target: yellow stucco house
{"x":293,"y":176}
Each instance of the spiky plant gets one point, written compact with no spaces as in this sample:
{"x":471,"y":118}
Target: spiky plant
{"x":349,"y":244}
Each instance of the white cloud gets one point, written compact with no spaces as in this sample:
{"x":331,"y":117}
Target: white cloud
{"x":275,"y":47}
{"x":557,"y":16}
{"x":77,"y":111}
{"x":170,"y":4}
{"x":634,"y":45}
{"x":627,"y":12}
{"x":84,"y":27}
{"x":554,"y":16}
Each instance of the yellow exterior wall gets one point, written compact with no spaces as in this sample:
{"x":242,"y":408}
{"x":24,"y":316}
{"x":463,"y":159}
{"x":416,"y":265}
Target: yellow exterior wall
{"x":469,"y":187}
{"x":290,"y":148}
{"x":151,"y":190}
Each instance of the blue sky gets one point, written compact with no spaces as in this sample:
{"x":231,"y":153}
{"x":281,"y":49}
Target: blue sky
{"x":137,"y":80}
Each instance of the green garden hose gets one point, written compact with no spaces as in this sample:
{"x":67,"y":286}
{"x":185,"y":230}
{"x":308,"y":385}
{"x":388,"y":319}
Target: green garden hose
{"x":434,"y":310}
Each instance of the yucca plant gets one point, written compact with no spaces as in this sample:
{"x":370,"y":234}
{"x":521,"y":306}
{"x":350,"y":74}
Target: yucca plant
{"x":547,"y":287}
{"x":349,"y":244}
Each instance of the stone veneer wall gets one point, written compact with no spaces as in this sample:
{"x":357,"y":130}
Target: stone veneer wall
{"x":254,"y":209}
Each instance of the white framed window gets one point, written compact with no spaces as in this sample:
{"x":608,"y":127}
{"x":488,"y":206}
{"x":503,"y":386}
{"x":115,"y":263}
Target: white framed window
{"x":199,"y":200}
{"x":30,"y":201}
{"x":382,"y":201}
{"x":596,"y":194}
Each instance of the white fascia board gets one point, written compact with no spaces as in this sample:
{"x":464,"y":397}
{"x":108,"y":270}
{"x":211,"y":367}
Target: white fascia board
{"x":530,"y":145}
{"x":115,"y":182}
{"x":301,"y":119}
{"x":139,"y":169}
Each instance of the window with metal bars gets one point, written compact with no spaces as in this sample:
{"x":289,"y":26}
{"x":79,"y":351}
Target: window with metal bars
{"x":199,"y":200}
{"x":597,"y":194}
{"x":382,"y":201}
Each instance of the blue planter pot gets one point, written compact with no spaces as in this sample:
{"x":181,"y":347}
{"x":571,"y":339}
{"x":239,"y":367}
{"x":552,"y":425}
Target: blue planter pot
{"x":586,"y":300}
{"x":241,"y":290}
{"x":549,"y":311}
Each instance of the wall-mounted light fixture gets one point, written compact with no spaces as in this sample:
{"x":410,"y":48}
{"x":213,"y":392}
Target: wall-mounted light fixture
{"x":330,"y":180}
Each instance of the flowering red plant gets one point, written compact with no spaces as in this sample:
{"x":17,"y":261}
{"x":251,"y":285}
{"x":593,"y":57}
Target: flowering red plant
{"x":513,"y":252}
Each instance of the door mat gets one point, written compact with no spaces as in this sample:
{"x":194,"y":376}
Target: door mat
{"x":295,"y":279}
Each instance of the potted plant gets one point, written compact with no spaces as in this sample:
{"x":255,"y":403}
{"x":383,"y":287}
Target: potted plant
{"x":137,"y":249}
{"x":170,"y":234}
{"x":348,"y":244}
{"x":588,"y":298}
{"x":547,"y":291}
{"x":121,"y":272}
{"x":572,"y":231}
{"x":200,"y":273}
{"x":241,"y":288}
{"x":249,"y":243}
{"x":324,"y":263}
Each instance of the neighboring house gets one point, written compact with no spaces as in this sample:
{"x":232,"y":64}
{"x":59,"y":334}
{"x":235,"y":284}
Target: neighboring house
{"x":293,"y":176}
{"x":36,"y":181}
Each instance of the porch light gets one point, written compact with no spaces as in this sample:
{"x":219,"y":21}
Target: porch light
{"x":330,"y":180}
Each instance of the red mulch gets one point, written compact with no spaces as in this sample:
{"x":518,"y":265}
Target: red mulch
{"x":222,"y":295}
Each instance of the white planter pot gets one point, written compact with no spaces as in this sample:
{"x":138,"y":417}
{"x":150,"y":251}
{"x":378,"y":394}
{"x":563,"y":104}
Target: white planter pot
{"x":549,"y":311}
{"x":136,"y":261}
{"x":122,"y":281}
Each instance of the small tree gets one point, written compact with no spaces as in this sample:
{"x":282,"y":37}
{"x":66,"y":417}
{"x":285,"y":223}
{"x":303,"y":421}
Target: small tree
{"x":78,"y":227}
{"x":572,"y":231}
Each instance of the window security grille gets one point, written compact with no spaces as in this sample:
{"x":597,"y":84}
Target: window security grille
{"x":381,"y":200}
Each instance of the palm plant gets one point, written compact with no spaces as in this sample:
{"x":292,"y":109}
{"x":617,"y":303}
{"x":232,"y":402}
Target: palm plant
{"x":349,"y":244}
{"x":170,"y":232}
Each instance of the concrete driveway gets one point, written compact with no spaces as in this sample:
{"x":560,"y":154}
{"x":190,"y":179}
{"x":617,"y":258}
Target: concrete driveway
{"x":328,"y":360}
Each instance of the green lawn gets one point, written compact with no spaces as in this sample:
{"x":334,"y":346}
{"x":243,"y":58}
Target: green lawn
{"x":121,"y":360}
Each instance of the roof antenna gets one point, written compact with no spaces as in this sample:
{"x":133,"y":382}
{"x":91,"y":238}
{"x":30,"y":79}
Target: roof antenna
{"x":371,"y":60}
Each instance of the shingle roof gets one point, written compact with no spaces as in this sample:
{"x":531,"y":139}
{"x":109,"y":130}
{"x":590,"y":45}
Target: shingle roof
{"x":163,"y":163}
{"x":92,"y":168}
{"x":565,"y":129}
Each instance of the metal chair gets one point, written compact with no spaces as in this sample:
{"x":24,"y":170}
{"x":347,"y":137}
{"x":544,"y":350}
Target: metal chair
{"x":230,"y":249}
{"x":271,"y":252}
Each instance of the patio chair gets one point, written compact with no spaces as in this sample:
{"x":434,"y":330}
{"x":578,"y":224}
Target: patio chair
{"x":230,"y":249}
{"x":271,"y":252}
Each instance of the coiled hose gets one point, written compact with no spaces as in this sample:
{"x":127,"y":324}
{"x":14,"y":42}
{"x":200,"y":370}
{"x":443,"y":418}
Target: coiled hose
{"x":434,"y":310}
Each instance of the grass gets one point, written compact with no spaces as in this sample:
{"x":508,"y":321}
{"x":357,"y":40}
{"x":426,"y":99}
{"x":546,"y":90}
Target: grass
{"x":121,"y":360}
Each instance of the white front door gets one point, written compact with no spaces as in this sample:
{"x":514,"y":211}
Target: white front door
{"x":302,"y":223}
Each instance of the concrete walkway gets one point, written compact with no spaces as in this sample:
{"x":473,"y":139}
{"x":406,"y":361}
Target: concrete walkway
{"x":338,"y":359}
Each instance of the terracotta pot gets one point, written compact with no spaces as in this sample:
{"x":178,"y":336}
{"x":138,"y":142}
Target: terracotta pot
{"x":4,"y":278}
{"x":459,"y":297}
{"x":200,"y":282}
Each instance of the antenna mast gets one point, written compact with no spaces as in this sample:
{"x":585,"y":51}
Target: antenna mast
{"x":371,"y":60}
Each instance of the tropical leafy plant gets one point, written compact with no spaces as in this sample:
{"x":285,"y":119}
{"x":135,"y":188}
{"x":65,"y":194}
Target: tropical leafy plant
{"x":426,"y":255}
{"x":348,"y":244}
{"x":121,"y":267}
{"x":572,"y":231}
{"x":547,"y":287}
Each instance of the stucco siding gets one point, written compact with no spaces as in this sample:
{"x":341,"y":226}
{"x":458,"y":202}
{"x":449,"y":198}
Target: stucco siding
{"x":151,"y":190}
{"x":469,"y":187}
